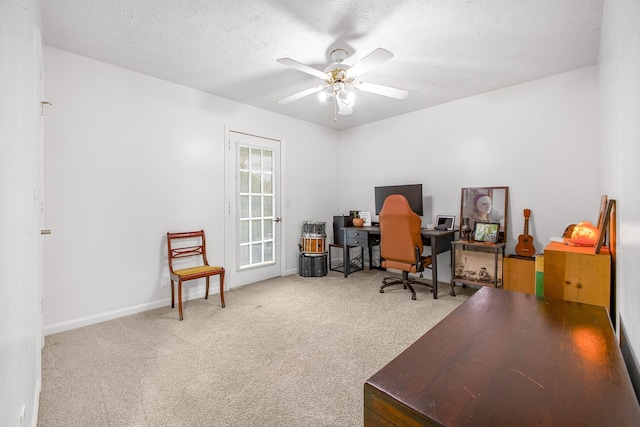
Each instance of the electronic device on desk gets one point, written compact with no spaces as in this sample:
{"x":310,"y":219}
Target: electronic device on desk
{"x":445,"y":222}
{"x":413,"y":193}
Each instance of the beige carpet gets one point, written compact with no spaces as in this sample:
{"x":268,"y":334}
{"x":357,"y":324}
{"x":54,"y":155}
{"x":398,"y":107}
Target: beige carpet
{"x":291,"y":351}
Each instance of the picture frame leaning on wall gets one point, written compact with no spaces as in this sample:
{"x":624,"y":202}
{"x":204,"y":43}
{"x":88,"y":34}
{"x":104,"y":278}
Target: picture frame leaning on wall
{"x":484,"y":204}
{"x":488,"y":232}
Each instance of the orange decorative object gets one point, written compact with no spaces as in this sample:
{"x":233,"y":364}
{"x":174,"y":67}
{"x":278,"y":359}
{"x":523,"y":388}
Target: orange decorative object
{"x":584,"y":234}
{"x":358,"y":222}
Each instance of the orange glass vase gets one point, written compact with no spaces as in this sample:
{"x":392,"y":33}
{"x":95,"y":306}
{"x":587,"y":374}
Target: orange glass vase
{"x":358,"y":222}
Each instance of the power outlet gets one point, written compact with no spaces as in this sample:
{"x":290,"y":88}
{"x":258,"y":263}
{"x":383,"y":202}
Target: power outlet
{"x":166,"y":282}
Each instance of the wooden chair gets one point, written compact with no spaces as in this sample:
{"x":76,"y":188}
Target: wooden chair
{"x":198,"y":253}
{"x":401,"y":243}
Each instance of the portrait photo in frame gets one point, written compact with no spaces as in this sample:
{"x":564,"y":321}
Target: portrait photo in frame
{"x":484,"y":204}
{"x":486,"y":232}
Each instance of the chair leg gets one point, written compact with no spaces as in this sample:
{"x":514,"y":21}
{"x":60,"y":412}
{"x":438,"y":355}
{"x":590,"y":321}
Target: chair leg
{"x":172,"y":295}
{"x":222,"y":288}
{"x":206,"y":291}
{"x":389,"y":281}
{"x":404,"y":281}
{"x":407,"y":285}
{"x":180,"y":298}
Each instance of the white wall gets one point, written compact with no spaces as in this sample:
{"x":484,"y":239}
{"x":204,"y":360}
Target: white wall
{"x":130,"y":157}
{"x":541,"y":139}
{"x":20,"y":330}
{"x":620,"y":65}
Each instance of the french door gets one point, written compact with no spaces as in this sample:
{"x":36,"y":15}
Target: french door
{"x":253,"y":209}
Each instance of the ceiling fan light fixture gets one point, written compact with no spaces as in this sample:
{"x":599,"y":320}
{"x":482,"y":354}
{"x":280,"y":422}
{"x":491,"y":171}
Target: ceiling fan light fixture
{"x":345,"y":96}
{"x":325,"y":96}
{"x":341,"y":80}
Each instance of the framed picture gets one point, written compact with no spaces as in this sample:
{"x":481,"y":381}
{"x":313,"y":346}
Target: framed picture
{"x":603,"y":208}
{"x":486,"y":232}
{"x":367,"y":218}
{"x":445,"y":222}
{"x":485,"y":204}
{"x":477,"y":266}
{"x":604,"y":224}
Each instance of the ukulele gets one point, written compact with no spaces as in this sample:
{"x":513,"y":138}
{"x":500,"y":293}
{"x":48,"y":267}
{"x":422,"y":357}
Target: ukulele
{"x":525,"y":241}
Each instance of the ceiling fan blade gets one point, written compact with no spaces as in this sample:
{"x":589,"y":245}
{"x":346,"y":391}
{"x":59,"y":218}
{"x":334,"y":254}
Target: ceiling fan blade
{"x":302,"y":67}
{"x":389,"y":91}
{"x":374,"y":59}
{"x":343,"y":108}
{"x":302,"y":94}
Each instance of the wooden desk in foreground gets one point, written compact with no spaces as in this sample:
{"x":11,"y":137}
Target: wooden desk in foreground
{"x":506,"y":358}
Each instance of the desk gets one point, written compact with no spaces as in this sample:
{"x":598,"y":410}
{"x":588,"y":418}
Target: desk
{"x":508,"y":359}
{"x":438,"y":240}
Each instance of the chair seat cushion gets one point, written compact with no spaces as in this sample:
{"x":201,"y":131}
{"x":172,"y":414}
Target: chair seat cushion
{"x":404,"y":266}
{"x":198,"y":270}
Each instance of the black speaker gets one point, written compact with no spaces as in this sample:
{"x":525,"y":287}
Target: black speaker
{"x":339,"y":222}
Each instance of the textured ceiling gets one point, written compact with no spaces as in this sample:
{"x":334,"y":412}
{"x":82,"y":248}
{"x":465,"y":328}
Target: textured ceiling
{"x":444,"y":50}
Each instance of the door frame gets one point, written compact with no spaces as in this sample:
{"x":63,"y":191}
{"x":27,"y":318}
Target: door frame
{"x":229,"y":185}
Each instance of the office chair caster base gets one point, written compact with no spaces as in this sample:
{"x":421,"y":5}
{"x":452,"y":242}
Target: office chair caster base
{"x":408,"y":286}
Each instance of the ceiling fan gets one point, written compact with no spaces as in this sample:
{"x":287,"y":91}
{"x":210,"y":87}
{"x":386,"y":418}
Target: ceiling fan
{"x":341,"y":80}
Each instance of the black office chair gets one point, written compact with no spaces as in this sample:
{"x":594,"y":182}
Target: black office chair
{"x":401,"y":243}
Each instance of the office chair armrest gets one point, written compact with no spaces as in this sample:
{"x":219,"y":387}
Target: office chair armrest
{"x":418,"y":258}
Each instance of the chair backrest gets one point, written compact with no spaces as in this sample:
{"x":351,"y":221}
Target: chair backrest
{"x":399,"y":231}
{"x":193,"y":245}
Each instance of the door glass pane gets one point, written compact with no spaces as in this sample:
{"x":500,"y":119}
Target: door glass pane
{"x":244,"y":206}
{"x":256,"y":253}
{"x":244,"y":255}
{"x":244,"y":231}
{"x":267,"y":159}
{"x":243,"y":158}
{"x":256,"y":230}
{"x":268,"y":251}
{"x":257,"y":211}
{"x":256,"y":206}
{"x":268,"y":206}
{"x":244,"y":181}
{"x":256,"y":182}
{"x":268,"y":229}
{"x":267,"y":182}
{"x":256,"y":159}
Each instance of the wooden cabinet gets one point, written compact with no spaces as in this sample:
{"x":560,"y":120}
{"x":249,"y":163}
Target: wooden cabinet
{"x":575,"y":273}
{"x":519,"y":274}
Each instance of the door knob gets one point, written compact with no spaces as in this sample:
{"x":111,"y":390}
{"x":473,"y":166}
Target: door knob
{"x":277,"y":219}
{"x":45,"y":231}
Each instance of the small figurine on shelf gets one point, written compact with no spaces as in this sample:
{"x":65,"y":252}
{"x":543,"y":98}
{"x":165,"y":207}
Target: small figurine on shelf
{"x":465,"y":230}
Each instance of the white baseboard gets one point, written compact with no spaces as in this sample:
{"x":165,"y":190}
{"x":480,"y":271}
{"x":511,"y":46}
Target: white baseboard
{"x":68,"y":325}
{"x":291,"y":271}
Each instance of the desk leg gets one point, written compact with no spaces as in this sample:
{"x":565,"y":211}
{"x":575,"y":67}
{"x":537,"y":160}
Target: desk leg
{"x":346,"y":262}
{"x":434,"y":267}
{"x":453,"y":275}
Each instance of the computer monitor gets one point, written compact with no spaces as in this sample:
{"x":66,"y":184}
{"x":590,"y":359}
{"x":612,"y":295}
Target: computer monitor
{"x":413,"y":193}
